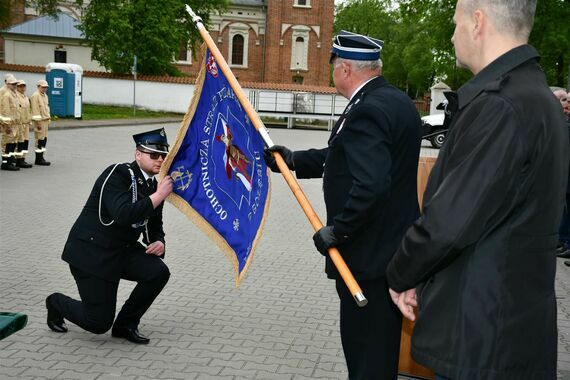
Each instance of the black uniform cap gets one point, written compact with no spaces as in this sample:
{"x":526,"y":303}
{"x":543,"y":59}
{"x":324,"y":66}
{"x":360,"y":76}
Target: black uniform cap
{"x":356,"y":46}
{"x":152,"y":141}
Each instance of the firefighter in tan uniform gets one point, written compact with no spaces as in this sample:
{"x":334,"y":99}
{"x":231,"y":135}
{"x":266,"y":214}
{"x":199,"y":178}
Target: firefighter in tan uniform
{"x":41,"y":119}
{"x":4,"y":88}
{"x":9,"y":117}
{"x":24,"y":126}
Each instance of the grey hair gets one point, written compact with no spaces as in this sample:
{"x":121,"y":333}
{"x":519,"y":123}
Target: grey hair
{"x":361,"y":65}
{"x":514,"y":17}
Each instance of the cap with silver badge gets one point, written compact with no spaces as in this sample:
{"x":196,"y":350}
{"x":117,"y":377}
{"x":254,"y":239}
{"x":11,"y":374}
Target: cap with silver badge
{"x":152,"y":141}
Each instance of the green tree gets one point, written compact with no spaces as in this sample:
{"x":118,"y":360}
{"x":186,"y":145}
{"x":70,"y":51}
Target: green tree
{"x":376,"y":18}
{"x":551,"y":37}
{"x":153,"y":30}
{"x":413,"y":53}
{"x":434,"y":21}
{"x":418,"y":51}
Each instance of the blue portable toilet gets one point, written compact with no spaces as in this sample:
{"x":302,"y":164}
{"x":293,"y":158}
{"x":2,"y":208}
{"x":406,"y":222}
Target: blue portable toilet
{"x":65,"y":82}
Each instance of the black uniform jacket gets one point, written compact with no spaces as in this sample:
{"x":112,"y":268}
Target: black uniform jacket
{"x":369,"y":172}
{"x":98,"y":249}
{"x":484,"y":247}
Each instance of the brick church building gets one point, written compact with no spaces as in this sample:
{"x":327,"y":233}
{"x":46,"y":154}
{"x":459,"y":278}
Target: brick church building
{"x":270,"y":41}
{"x":275,"y":41}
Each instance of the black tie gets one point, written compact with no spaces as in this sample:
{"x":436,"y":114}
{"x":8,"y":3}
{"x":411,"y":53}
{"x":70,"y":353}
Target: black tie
{"x":150,"y":183}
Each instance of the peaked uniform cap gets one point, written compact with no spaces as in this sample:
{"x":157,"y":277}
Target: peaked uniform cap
{"x":21,"y":82}
{"x":152,"y":141}
{"x":356,"y":46}
{"x":42,"y":83}
{"x":11,"y":80}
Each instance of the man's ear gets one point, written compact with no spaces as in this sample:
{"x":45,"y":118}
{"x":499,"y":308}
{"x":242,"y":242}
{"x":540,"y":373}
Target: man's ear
{"x":346,"y":68}
{"x":479,"y":21}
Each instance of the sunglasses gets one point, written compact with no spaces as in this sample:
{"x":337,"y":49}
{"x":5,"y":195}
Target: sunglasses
{"x":154,"y":155}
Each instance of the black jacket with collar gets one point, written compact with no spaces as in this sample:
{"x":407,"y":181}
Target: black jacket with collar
{"x":98,"y":249}
{"x":482,"y":255}
{"x":369,"y":176}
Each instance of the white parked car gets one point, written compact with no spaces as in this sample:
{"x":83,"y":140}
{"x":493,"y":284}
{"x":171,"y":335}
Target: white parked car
{"x":433,"y":129}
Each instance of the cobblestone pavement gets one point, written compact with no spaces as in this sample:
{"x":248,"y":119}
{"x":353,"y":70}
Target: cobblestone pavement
{"x":281,"y":324}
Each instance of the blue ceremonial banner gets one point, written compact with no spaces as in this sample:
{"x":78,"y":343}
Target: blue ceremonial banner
{"x":220,"y":179}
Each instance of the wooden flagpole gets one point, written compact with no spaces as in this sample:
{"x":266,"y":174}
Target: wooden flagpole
{"x":291,"y":181}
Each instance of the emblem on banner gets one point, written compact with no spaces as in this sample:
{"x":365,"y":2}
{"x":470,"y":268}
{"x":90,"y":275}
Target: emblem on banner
{"x":236,"y":158}
{"x":212,"y":66}
{"x":236,"y":162}
{"x":181,"y":177}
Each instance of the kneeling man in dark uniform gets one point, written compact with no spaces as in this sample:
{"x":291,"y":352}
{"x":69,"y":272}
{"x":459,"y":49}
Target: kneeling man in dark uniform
{"x":103,"y":246}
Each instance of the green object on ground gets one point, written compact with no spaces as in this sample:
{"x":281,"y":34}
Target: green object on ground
{"x":11,"y":322}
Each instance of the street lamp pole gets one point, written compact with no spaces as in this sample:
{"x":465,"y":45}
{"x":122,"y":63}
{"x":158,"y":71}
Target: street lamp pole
{"x":134,"y":85}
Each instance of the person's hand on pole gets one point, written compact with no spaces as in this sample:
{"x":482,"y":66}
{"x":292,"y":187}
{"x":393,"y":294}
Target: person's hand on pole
{"x":325,"y":238}
{"x":163,"y":189}
{"x":406,"y":301}
{"x":286,"y":153}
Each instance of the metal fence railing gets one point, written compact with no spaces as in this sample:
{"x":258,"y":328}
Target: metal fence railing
{"x":307,"y":105}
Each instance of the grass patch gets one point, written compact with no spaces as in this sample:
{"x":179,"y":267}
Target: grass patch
{"x":99,"y":112}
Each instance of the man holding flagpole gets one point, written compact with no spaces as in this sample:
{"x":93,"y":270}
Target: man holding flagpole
{"x":369,"y":171}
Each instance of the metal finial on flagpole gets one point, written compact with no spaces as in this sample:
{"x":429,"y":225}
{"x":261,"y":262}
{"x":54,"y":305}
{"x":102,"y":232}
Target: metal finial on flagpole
{"x":195,"y":18}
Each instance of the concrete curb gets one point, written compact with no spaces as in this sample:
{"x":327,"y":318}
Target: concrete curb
{"x":64,"y":124}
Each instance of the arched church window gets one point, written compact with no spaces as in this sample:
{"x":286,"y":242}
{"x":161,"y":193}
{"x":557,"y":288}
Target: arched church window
{"x":237,"y":49}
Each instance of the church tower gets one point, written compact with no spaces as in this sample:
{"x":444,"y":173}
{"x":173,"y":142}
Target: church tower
{"x":299,"y":38}
{"x":273,"y":41}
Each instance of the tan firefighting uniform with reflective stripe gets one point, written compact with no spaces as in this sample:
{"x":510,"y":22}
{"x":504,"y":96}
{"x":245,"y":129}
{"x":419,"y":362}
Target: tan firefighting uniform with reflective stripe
{"x":40,"y":117}
{"x":9,"y":117}
{"x":24,"y":122}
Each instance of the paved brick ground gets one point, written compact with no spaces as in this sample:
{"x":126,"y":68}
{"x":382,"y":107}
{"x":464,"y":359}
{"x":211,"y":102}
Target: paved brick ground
{"x":281,"y":324}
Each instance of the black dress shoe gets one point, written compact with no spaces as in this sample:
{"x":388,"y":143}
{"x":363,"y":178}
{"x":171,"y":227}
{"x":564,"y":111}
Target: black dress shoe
{"x":564,"y":254}
{"x":567,"y":263}
{"x":132,"y":335}
{"x":54,"y":320}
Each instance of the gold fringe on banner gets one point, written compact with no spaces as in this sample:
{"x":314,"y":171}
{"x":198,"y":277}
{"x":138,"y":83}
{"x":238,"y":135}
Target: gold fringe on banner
{"x":181,"y":204}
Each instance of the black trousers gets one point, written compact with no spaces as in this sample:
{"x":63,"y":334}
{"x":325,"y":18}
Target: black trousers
{"x":96,"y":310}
{"x":371,"y":334}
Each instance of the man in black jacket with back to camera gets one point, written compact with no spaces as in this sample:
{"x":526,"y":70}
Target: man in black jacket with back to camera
{"x":482,"y":255}
{"x":103,"y":246}
{"x":369,"y":171}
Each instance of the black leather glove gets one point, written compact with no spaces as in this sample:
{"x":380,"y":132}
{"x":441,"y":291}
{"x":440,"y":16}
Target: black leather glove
{"x":324,"y":239}
{"x":287,"y":155}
